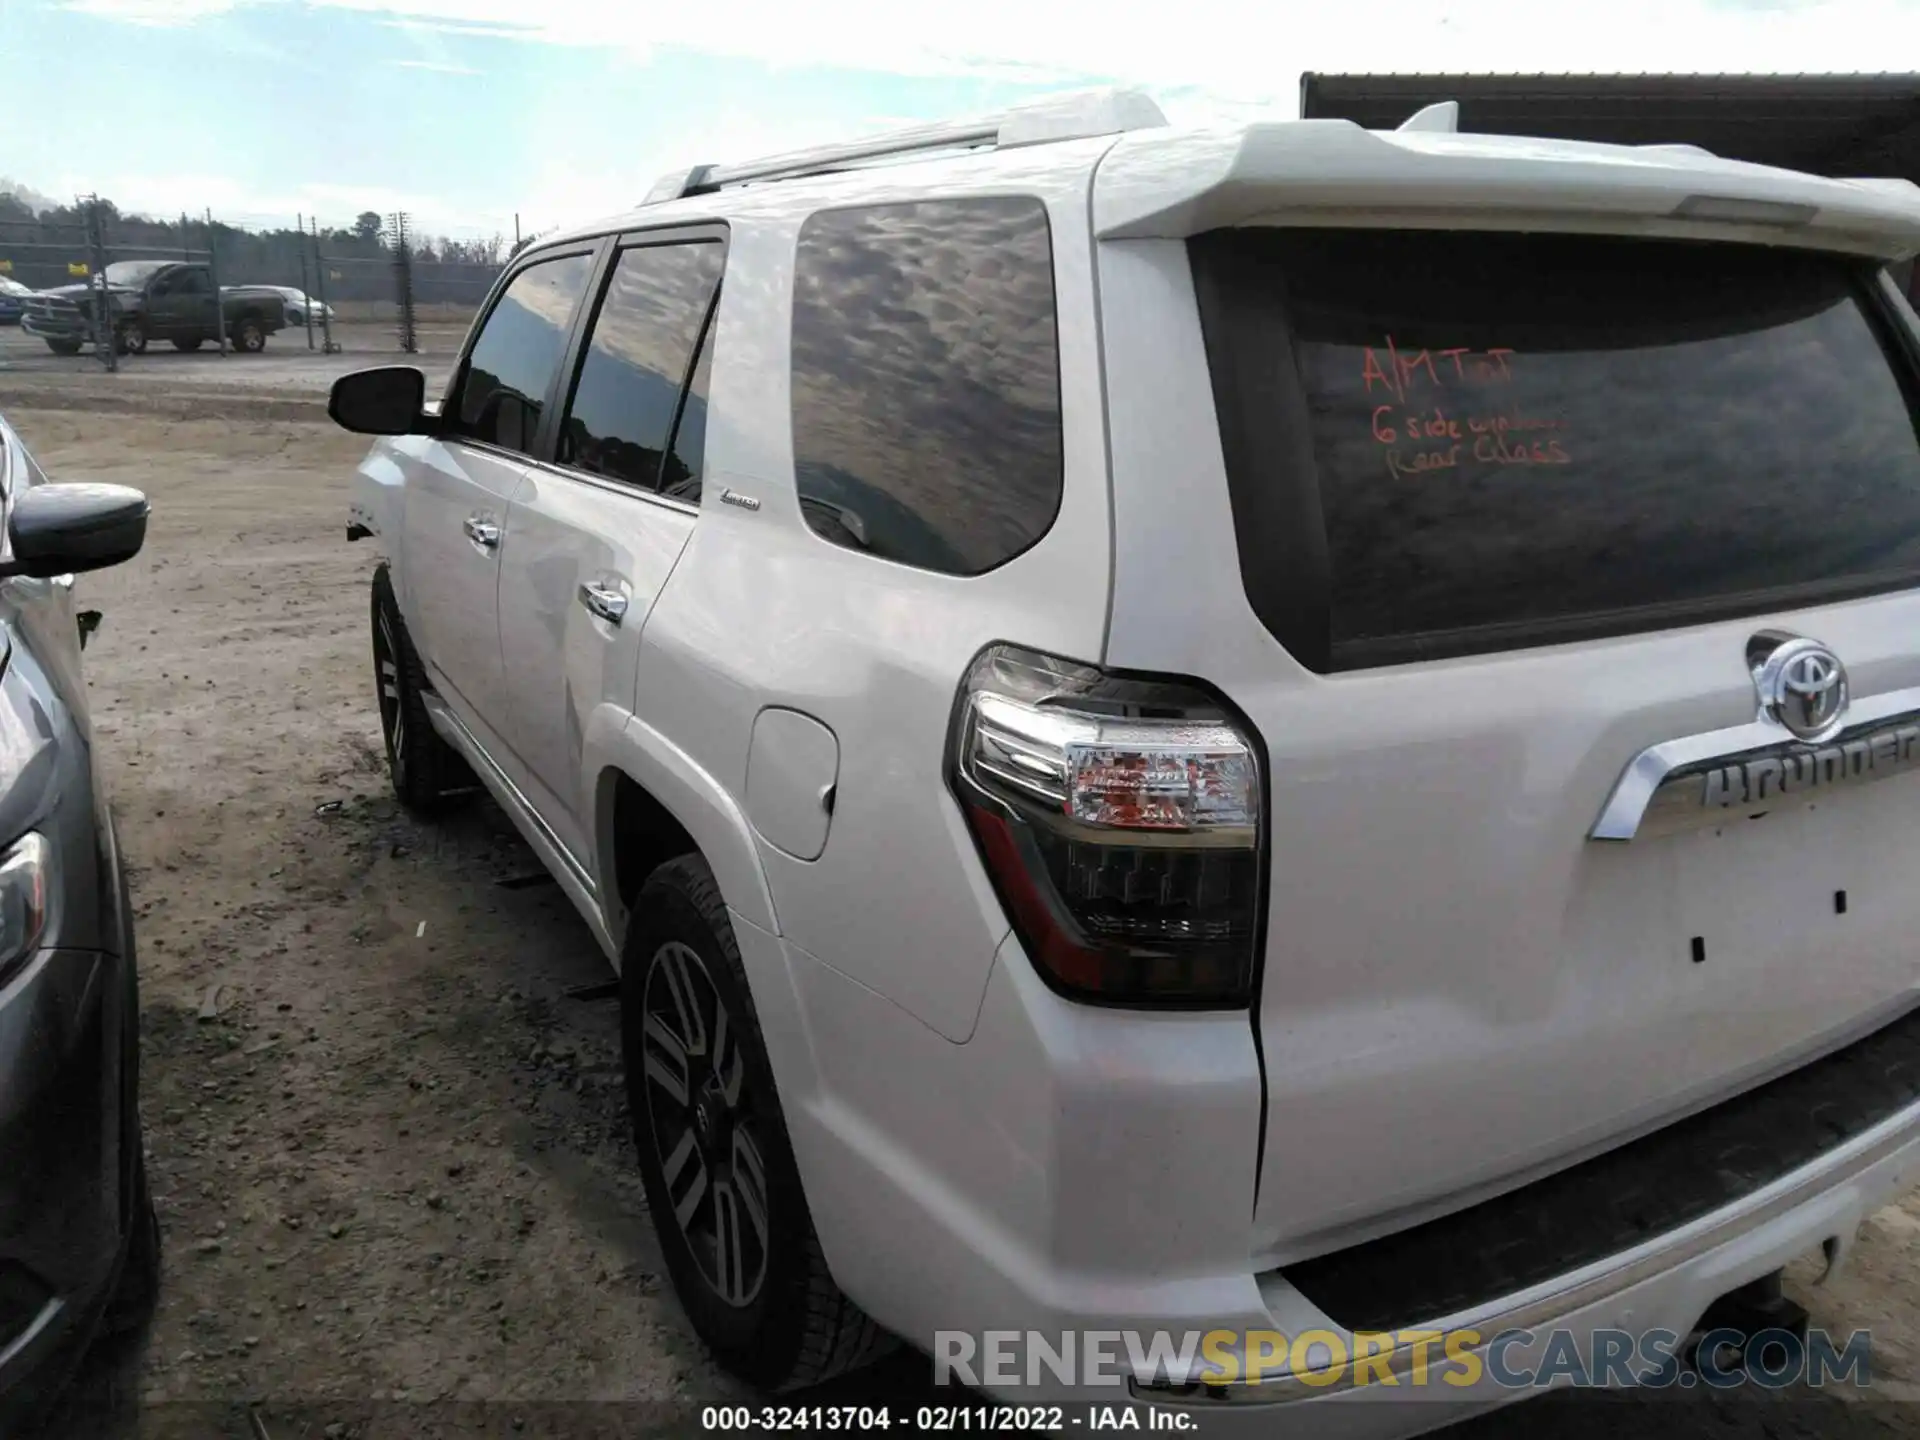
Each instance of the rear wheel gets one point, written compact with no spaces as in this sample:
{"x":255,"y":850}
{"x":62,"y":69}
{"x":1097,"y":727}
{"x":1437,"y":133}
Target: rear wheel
{"x":428,"y":774}
{"x":719,"y":1171}
{"x":194,"y":344}
{"x":249,"y":335}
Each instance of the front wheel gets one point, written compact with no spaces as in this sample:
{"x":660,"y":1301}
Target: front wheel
{"x":132,"y":338}
{"x":64,"y":347}
{"x":721,"y":1180}
{"x":428,"y":775}
{"x":133,"y":1299}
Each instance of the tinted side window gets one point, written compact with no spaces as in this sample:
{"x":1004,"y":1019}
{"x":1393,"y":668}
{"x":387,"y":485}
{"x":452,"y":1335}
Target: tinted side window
{"x":621,"y":414}
{"x":519,"y":348}
{"x":926,"y":380}
{"x":193,"y":282}
{"x":687,"y":457}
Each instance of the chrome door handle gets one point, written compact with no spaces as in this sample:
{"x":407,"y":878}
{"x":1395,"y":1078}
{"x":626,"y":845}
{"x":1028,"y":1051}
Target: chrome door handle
{"x":483,"y":532}
{"x":605,"y":601}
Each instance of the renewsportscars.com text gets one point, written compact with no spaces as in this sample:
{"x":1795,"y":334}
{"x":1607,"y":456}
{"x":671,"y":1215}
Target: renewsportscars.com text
{"x":1405,"y":1359}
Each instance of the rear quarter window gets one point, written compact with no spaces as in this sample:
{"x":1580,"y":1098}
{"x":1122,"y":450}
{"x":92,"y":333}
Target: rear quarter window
{"x":926,"y":380}
{"x":1509,"y":439}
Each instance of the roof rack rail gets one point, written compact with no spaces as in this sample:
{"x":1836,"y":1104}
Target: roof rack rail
{"x":1077,"y":116}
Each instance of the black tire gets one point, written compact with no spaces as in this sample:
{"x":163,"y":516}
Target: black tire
{"x":139,"y":1289}
{"x":248,"y":335}
{"x":763,"y":1301}
{"x":194,"y":344}
{"x":131,"y":338}
{"x":133,"y":1300}
{"x":64,"y":347}
{"x":428,"y":775}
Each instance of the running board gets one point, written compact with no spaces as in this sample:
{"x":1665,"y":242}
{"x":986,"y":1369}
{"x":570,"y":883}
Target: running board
{"x":567,"y":872}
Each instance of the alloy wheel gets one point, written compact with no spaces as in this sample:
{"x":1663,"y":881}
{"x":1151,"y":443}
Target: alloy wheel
{"x":703,"y":1133}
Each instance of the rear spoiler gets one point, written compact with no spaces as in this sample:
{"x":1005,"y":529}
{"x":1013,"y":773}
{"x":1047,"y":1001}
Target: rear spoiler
{"x":1171,"y":184}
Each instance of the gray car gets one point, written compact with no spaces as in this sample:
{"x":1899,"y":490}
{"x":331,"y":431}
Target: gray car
{"x":79,"y":1242}
{"x":299,"y":303}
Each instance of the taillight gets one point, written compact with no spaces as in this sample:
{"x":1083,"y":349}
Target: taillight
{"x":1120,"y":820}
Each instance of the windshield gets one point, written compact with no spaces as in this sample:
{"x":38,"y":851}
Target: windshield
{"x":133,"y":272}
{"x":1514,"y":435}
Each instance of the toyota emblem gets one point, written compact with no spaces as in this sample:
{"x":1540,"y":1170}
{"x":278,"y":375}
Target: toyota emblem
{"x":1802,"y":686}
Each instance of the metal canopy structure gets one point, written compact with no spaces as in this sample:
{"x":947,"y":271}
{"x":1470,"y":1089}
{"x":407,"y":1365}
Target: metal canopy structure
{"x":1835,"y":125}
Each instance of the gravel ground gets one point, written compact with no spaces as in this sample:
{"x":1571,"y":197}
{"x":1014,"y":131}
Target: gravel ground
{"x":390,"y":1149}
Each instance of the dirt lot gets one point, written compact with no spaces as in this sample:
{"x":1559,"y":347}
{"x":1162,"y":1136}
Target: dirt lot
{"x":390,"y":1151}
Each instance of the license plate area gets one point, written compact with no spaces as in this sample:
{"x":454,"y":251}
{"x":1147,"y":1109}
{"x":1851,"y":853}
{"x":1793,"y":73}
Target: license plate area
{"x":1802,"y":914}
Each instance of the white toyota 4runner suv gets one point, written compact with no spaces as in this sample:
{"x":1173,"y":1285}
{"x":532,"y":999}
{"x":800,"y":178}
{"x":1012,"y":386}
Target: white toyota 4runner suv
{"x":1267,"y":728}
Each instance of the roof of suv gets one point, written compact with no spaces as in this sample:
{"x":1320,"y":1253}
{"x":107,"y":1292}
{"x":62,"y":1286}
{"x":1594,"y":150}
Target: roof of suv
{"x":1166,"y":181}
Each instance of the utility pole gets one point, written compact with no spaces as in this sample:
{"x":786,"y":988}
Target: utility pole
{"x":106,"y":343}
{"x":327,"y":344}
{"x":403,"y":280}
{"x":306,"y":289}
{"x":219,"y":300}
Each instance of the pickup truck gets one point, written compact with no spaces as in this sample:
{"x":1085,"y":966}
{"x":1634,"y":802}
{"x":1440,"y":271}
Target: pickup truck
{"x":157,"y":300}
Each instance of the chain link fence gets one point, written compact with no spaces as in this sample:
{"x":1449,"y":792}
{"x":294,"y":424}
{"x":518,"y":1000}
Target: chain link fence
{"x":374,"y":286}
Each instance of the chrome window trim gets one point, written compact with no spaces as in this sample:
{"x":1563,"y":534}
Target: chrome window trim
{"x":612,"y":486}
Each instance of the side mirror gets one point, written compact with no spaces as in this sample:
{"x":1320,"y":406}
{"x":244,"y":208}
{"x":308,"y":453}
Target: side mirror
{"x":387,"y":400}
{"x":65,"y":529}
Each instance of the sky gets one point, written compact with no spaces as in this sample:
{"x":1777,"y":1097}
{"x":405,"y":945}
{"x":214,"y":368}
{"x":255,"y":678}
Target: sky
{"x":468,"y":112}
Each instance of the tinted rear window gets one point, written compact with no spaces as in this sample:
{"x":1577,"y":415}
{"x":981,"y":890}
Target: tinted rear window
{"x":926,"y":380}
{"x":1508,"y":439}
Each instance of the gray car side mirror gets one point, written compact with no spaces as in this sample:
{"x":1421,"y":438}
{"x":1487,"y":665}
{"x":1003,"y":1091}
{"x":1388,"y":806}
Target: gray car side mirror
{"x":64,"y":529}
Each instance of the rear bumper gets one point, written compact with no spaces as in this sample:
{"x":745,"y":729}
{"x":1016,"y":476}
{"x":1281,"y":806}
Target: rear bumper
{"x":1664,"y":1285}
{"x":1086,"y":1177}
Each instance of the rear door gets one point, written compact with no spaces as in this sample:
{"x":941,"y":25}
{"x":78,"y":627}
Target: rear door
{"x":597,"y":529}
{"x":458,"y":484}
{"x":1509,"y":511}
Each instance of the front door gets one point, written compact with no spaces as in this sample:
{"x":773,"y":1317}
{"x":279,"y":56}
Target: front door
{"x":597,"y":530}
{"x":193,"y":307}
{"x":460,"y":484}
{"x":180,"y":304}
